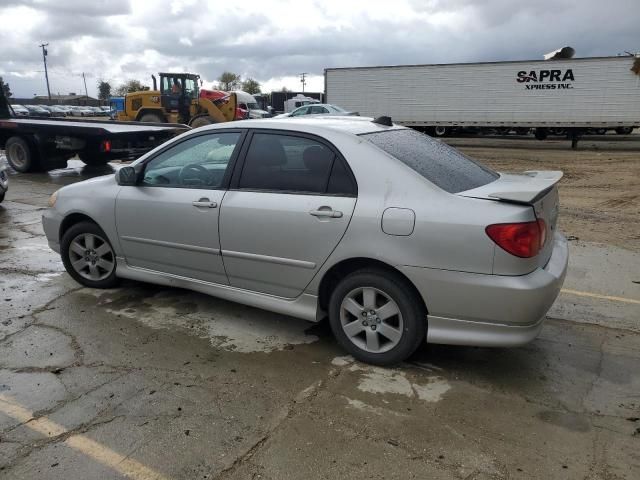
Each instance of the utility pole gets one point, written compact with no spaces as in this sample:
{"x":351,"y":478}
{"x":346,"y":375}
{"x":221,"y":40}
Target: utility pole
{"x":46,"y":74}
{"x":85,"y":85}
{"x":303,"y":80}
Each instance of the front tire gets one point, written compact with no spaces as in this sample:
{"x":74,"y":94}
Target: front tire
{"x":377,"y":317}
{"x":88,"y":256}
{"x":151,"y":118}
{"x":201,"y":121}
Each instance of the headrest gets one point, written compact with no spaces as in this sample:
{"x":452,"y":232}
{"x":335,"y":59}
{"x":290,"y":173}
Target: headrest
{"x":268,"y":151}
{"x":317,"y":158}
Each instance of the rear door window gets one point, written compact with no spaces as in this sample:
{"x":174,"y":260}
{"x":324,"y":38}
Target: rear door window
{"x":288,"y":163}
{"x":439,"y":163}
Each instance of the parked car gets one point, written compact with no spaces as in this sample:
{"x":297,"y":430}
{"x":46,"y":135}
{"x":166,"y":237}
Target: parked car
{"x":395,"y":236}
{"x":4,"y":181}
{"x":97,"y":111}
{"x":37,"y":111}
{"x":77,"y":111}
{"x":53,"y":110}
{"x":20,"y":110}
{"x":66,"y":109}
{"x":317,"y":109}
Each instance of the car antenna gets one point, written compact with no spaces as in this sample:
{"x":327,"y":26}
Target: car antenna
{"x":383,"y":120}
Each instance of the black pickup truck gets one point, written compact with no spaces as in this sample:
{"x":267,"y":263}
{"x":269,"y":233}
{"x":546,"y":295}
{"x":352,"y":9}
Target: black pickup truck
{"x":33,"y":144}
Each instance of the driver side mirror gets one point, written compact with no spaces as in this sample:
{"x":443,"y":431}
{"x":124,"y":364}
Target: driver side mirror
{"x":127,"y":176}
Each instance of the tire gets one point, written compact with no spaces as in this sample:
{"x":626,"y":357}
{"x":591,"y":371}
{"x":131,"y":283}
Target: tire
{"x":600,"y":131}
{"x":201,"y":121}
{"x":151,"y":118}
{"x":440,"y":131}
{"x":624,"y":130}
{"x":522,"y":131}
{"x":20,"y":155}
{"x":83,"y":261}
{"x":388,"y":292}
{"x":540,"y":133}
{"x":2,"y":196}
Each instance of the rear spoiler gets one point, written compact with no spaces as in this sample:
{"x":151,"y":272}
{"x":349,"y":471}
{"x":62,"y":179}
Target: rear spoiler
{"x":526,"y":188}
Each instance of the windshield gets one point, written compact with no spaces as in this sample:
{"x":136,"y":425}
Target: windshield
{"x":253,"y":106}
{"x":439,"y":163}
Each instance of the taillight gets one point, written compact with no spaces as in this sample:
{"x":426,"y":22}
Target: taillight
{"x":520,"y":239}
{"x":106,"y":146}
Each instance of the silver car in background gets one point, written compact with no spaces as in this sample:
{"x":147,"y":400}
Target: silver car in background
{"x":396,"y":237}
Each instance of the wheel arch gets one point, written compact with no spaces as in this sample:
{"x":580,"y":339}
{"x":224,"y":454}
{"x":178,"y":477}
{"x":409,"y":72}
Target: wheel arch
{"x":156,"y":111}
{"x":73,"y":219}
{"x":343,"y":268}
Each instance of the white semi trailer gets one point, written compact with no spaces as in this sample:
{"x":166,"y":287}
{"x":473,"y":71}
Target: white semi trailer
{"x":571,"y":95}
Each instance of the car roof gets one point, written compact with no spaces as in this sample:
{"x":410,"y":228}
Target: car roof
{"x":317,"y":124}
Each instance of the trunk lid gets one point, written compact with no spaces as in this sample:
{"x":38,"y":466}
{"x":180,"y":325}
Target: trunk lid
{"x":535,"y":188}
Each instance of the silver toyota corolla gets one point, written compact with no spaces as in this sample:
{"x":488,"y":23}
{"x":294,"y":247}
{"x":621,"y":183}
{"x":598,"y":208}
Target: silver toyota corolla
{"x":395,"y":236}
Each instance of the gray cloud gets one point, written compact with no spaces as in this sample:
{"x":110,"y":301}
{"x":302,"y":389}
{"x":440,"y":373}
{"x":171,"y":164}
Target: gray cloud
{"x":114,"y":40}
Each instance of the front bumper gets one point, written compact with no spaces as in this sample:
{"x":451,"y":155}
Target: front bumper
{"x":490,"y":310}
{"x":51,"y":221}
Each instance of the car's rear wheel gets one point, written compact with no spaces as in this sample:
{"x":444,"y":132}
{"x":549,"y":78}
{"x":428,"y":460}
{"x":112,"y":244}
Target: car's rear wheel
{"x":88,"y":256}
{"x":377,"y":317}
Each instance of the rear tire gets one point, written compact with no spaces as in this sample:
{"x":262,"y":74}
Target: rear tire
{"x":91,"y":263}
{"x":151,"y":118}
{"x":21,"y":155}
{"x":624,"y":130}
{"x":201,"y":121}
{"x":93,"y":159}
{"x":392,"y":332}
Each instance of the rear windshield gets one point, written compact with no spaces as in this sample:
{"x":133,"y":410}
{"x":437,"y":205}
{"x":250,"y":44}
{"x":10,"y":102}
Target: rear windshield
{"x":439,"y":163}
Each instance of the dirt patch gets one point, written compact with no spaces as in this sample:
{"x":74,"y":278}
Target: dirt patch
{"x":600,"y":190}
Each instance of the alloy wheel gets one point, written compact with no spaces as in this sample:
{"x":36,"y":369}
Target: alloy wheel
{"x":91,"y":256}
{"x":371,"y":319}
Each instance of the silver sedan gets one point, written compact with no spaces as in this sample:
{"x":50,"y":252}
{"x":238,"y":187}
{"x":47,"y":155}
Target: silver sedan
{"x":394,"y":236}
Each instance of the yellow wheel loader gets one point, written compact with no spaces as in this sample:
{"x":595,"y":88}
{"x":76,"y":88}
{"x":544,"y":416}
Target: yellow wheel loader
{"x":177,"y":101}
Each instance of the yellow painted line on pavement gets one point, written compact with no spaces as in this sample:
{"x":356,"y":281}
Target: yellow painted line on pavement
{"x":599,"y":296}
{"x":98,"y":452}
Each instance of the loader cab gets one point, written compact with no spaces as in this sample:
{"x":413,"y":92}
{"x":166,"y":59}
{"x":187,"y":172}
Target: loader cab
{"x":177,"y":93}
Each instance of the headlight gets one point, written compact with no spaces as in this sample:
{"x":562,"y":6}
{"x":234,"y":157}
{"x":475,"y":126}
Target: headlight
{"x":52,"y":199}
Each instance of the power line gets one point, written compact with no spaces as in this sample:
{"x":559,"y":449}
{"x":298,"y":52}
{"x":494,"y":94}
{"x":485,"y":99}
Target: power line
{"x":46,"y":74}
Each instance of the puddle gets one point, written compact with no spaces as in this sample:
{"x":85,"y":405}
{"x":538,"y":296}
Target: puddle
{"x":379,"y":380}
{"x":229,"y":326}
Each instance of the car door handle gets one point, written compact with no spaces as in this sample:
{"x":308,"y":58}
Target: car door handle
{"x":326,"y":213}
{"x":204,"y":202}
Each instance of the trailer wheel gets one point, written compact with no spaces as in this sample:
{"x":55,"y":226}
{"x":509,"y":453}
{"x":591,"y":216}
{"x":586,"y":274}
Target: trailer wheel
{"x":151,"y":118}
{"x":541,"y":133}
{"x":522,"y":131}
{"x":600,"y":131}
{"x":440,"y":131}
{"x":20,"y":155}
{"x":624,"y":130}
{"x":201,"y":121}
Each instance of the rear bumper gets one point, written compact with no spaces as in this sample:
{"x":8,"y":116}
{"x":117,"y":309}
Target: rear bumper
{"x":490,"y":310}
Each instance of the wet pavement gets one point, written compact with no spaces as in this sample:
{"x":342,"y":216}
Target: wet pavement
{"x":146,"y":382}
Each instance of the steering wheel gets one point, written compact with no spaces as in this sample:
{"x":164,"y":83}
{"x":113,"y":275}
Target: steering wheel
{"x":193,"y":172}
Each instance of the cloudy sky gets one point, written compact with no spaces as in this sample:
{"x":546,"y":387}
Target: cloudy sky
{"x":274,"y":40}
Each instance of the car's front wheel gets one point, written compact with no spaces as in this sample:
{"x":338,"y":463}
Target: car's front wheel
{"x":88,"y":256}
{"x":377,"y":317}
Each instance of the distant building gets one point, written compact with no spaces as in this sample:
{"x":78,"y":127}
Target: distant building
{"x":70,"y":99}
